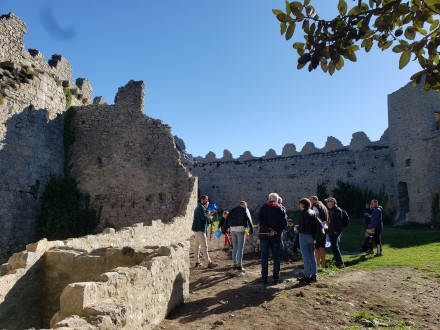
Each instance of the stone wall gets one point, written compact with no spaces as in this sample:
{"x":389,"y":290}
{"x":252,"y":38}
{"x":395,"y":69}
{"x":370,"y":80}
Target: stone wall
{"x":32,"y":105}
{"x":127,"y":162}
{"x":12,"y":30}
{"x":137,"y":275}
{"x":415,"y":141}
{"x":295,"y":177}
{"x":404,"y":162}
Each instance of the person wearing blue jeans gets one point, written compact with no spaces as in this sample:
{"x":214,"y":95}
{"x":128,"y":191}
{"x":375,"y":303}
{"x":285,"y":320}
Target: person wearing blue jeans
{"x":272,"y":221}
{"x":239,"y":218}
{"x":237,"y":249}
{"x":306,"y":242}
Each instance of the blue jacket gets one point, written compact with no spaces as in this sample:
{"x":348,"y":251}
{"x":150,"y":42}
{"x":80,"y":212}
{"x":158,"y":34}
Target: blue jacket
{"x":376,"y":218}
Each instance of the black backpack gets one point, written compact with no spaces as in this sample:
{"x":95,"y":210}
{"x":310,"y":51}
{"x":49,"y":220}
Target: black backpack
{"x":345,"y":218}
{"x":318,"y":231}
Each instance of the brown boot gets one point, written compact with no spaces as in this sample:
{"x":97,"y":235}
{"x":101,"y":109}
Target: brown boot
{"x":211,"y":265}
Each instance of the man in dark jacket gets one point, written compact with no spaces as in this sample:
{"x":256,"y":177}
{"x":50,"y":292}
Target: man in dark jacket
{"x":335,"y":229}
{"x":200,"y":226}
{"x":376,"y":224}
{"x":272,"y":221}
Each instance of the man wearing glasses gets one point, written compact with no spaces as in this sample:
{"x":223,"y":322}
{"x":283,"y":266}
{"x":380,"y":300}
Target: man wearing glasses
{"x":335,"y":229}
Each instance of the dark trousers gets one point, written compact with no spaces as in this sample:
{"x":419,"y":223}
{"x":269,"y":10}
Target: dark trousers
{"x":376,"y":236}
{"x":334,"y":241}
{"x":275,"y":247}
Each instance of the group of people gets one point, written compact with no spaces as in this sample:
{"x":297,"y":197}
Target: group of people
{"x":272,"y":222}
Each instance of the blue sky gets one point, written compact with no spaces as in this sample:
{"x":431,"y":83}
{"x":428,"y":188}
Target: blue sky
{"x":218,"y":73}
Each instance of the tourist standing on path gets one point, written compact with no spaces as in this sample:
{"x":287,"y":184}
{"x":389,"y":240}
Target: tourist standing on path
{"x":225,"y":231}
{"x":280,"y":201}
{"x":376,"y":224}
{"x":335,"y":229}
{"x":200,"y":227}
{"x":238,"y":220}
{"x":306,"y":242}
{"x":321,"y":211}
{"x":272,"y":221}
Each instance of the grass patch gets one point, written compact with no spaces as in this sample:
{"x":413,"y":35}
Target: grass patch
{"x":415,"y":246}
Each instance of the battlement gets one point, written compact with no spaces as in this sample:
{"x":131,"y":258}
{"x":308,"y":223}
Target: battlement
{"x":359,"y":141}
{"x":12,"y":31}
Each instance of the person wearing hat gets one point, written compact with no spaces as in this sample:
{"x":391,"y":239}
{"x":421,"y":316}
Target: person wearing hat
{"x":335,"y":229}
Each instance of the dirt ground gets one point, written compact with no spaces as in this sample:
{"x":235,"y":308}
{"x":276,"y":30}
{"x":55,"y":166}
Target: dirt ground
{"x":389,"y":297}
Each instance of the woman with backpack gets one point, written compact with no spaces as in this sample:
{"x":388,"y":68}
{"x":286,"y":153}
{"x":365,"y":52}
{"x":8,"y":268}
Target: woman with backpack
{"x":306,"y":241}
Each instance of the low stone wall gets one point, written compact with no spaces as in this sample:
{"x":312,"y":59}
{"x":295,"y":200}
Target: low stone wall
{"x":153,"y":261}
{"x":136,"y":297}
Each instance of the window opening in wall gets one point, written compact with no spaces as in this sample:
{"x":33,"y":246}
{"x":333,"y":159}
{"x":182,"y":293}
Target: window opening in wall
{"x":408,"y":162}
{"x":437,"y":121}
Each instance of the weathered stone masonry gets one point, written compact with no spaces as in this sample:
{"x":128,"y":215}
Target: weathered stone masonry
{"x":126,"y":162}
{"x":405,"y":163}
{"x":32,"y":104}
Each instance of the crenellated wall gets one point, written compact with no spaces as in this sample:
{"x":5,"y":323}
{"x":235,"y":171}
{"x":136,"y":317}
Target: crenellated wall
{"x":404,"y":162}
{"x":294,"y":177}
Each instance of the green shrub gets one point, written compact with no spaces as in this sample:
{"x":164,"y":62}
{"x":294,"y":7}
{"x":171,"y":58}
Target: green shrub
{"x":353,"y":199}
{"x":68,"y":94}
{"x":65,"y":212}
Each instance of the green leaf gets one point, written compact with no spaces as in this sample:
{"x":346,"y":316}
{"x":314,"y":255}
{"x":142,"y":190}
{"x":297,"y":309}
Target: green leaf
{"x":354,"y":11}
{"x":290,"y":31}
{"x":340,"y":63}
{"x":351,"y":56}
{"x":342,"y":7}
{"x":398,"y":48}
{"x":305,"y":26}
{"x":277,"y":11}
{"x":386,"y":45}
{"x":306,"y":2}
{"x":331,"y":68}
{"x":404,"y":59}
{"x":310,"y":11}
{"x":434,"y":25}
{"x":300,"y":66}
{"x":298,"y":45}
{"x":284,"y":18}
{"x":283,"y":27}
{"x":324,"y":66}
{"x":296,"y":6}
{"x":432,"y":3}
{"x":288,"y":11}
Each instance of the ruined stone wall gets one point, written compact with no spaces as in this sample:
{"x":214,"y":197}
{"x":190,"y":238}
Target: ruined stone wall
{"x":32,"y":104}
{"x":296,"y":177}
{"x":127,"y":162}
{"x":149,"y":275}
{"x":415,"y":140}
{"x":12,"y":30}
